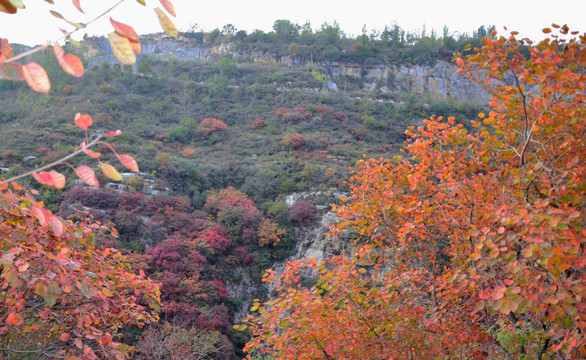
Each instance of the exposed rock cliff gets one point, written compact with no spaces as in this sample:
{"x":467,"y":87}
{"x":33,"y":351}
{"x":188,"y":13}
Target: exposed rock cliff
{"x":440,"y":80}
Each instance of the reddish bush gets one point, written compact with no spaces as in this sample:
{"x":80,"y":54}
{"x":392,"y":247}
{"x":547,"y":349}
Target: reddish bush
{"x":258,"y":124}
{"x":210,"y":125}
{"x":296,"y":114}
{"x":215,"y":238}
{"x":302,"y":212}
{"x":294,"y":141}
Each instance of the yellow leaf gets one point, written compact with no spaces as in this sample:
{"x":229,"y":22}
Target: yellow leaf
{"x":121,"y":48}
{"x":110,"y":172}
{"x":166,"y":23}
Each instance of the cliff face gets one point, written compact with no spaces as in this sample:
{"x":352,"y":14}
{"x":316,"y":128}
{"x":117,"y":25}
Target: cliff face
{"x":439,"y":80}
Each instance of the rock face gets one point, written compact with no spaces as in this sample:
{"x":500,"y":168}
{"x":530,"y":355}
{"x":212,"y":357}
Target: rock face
{"x":440,"y":80}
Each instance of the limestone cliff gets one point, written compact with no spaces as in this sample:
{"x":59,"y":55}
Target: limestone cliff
{"x":439,"y":80}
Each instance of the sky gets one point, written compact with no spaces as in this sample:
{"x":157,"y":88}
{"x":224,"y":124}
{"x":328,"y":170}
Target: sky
{"x":34,"y":25}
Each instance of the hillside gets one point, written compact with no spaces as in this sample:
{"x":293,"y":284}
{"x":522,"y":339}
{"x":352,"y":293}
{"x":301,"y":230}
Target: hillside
{"x":222,"y":133}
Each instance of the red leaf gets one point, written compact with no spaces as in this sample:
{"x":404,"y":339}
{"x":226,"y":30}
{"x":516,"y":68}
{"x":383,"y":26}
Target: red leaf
{"x":87,"y":175}
{"x":51,"y":178}
{"x":64,"y":337}
{"x":56,"y":225}
{"x":36,"y":77}
{"x":129,"y":162}
{"x":83,"y":121}
{"x":14,"y":319}
{"x":41,"y":214}
{"x":78,"y":343}
{"x":114,"y":133}
{"x":168,"y":6}
{"x":78,"y":6}
{"x":124,"y":30}
{"x":70,"y":63}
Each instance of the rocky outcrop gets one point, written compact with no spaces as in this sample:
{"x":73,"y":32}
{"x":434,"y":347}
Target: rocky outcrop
{"x":440,"y":80}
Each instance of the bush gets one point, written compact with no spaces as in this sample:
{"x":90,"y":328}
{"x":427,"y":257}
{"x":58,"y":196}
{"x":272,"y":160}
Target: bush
{"x":302,"y":212}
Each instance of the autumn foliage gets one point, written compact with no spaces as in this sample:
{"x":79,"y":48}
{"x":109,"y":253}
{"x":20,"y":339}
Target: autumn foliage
{"x":210,"y":125}
{"x":60,"y":296}
{"x":472,"y":244}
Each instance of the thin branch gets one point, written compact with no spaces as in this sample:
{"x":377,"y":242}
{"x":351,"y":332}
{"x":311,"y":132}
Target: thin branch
{"x":66,"y":36}
{"x":54,"y":163}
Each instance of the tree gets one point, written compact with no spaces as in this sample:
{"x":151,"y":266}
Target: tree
{"x":285,"y":30}
{"x":60,"y":296}
{"x":472,"y":246}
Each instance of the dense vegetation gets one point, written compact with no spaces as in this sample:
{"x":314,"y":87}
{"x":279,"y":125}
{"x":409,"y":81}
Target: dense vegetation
{"x":221,"y":143}
{"x":199,"y":131}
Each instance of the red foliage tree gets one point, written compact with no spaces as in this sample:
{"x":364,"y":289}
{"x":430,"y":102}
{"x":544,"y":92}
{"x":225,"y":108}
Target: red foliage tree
{"x":473,"y":246}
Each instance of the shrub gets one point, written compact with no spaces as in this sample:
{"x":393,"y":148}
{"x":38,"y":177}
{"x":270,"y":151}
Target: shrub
{"x":302,"y":212}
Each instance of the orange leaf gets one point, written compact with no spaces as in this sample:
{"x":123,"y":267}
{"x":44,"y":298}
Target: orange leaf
{"x":168,"y":6}
{"x":14,"y":319}
{"x":135,"y":44}
{"x":70,"y":63}
{"x":89,"y":152}
{"x":51,"y":178}
{"x":110,"y":172}
{"x":83,"y":121}
{"x":36,"y":77}
{"x":5,"y":48}
{"x":129,"y":162}
{"x":78,"y":6}
{"x":166,"y":23}
{"x":114,"y":133}
{"x":87,"y":175}
{"x":64,"y":337}
{"x":7,"y":7}
{"x":124,"y":30}
{"x":121,"y":48}
{"x":459,"y":62}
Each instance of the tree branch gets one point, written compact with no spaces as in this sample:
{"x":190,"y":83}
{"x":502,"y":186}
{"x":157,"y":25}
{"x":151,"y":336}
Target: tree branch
{"x":54,"y":163}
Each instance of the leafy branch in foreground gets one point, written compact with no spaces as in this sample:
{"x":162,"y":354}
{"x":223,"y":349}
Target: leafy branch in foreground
{"x":85,"y":173}
{"x":124,"y":42}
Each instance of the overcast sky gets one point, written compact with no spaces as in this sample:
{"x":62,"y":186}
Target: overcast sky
{"x":34,"y":25}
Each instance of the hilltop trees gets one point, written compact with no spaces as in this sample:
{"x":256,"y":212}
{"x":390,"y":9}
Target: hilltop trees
{"x":471,"y":246}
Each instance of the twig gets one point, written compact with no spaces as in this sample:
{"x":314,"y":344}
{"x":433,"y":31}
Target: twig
{"x":54,"y":163}
{"x":66,"y":36}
